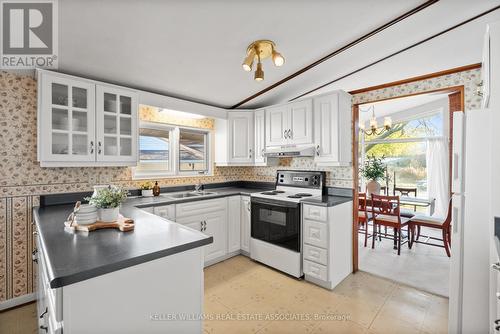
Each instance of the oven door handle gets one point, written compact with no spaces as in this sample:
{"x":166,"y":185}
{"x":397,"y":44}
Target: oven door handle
{"x":272,"y":202}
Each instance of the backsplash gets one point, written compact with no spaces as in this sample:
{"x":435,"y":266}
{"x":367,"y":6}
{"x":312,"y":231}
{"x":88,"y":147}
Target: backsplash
{"x":22,"y":180}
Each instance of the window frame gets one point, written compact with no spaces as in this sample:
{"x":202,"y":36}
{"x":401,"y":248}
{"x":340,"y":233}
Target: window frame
{"x":174,"y":152}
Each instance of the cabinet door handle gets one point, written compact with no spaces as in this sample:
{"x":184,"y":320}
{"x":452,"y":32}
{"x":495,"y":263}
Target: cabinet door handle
{"x":91,"y":147}
{"x":99,"y":145}
{"x":290,"y":133}
{"x":317,"y":150}
{"x":201,"y":226}
{"x":45,"y":328}
{"x":284,"y":134}
{"x":34,"y":258}
{"x":250,"y":153}
{"x":248,"y":206}
{"x":44,"y":312}
{"x":496,"y":266}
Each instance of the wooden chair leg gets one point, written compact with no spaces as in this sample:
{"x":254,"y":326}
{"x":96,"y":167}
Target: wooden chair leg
{"x":366,"y":233}
{"x":410,"y":236}
{"x":395,"y":238}
{"x":445,"y":241}
{"x":374,"y":234}
{"x":399,"y":240}
{"x":449,"y":236}
{"x":418,"y":232}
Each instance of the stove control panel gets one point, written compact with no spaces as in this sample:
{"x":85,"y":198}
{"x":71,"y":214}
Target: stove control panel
{"x":303,"y":179}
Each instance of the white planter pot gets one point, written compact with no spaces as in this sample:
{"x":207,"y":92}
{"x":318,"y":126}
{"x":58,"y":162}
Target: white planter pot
{"x":109,"y":215}
{"x":147,"y":193}
{"x":372,"y":187}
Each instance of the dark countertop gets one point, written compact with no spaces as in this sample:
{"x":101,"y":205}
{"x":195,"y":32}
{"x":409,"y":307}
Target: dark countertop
{"x":327,"y":200}
{"x":75,"y":256}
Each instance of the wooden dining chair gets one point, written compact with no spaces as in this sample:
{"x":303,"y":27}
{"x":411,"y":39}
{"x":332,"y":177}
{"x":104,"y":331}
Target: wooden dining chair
{"x":363,"y":215}
{"x":385,"y":211}
{"x":443,"y":224}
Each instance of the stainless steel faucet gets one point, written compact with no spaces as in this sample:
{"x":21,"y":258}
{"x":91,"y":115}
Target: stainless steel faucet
{"x":198,"y":186}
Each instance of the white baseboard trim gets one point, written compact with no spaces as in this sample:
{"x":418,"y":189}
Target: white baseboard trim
{"x":17,"y":301}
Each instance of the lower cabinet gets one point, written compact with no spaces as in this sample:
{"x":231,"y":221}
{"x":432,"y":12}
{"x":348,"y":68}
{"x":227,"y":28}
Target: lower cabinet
{"x":214,"y":225}
{"x":233,"y":224}
{"x":245,"y":223}
{"x":327,"y":243}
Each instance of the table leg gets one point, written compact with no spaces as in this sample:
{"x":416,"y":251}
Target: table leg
{"x":395,"y":238}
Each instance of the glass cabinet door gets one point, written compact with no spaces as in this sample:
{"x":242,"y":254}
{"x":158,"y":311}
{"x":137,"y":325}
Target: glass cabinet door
{"x":116,"y":126}
{"x":67,"y":115}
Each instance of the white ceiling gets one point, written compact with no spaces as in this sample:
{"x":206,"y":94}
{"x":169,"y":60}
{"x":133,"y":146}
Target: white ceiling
{"x":194,"y":49}
{"x":389,"y":107}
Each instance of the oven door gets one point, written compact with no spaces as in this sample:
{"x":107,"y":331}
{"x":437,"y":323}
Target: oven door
{"x":276,"y":222}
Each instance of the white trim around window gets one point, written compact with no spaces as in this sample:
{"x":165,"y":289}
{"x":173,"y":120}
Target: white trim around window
{"x":172,"y":132}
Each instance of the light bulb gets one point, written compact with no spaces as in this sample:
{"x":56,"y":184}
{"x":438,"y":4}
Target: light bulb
{"x":259,"y":73}
{"x":387,"y":122}
{"x":248,"y":62}
{"x":373,"y":123}
{"x":361,"y":125}
{"x":278,"y":59}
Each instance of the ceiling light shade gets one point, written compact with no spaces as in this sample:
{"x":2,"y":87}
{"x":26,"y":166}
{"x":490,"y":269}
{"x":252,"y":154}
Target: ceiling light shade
{"x":374,"y":125}
{"x":261,"y":49}
{"x":278,"y":59}
{"x":248,"y":62}
{"x":259,"y":73}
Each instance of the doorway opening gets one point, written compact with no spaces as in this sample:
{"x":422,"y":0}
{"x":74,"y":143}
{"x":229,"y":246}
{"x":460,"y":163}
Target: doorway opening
{"x":410,"y":160}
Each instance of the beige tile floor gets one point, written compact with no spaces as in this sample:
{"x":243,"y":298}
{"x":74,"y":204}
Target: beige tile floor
{"x":424,"y":267}
{"x":247,"y":297}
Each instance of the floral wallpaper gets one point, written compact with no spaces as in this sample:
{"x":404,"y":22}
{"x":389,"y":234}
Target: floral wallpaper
{"x":22,"y":180}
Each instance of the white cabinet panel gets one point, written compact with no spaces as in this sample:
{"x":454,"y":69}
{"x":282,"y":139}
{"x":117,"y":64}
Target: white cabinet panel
{"x":241,"y":134}
{"x":233,"y":224}
{"x":315,"y":270}
{"x":66,"y":121}
{"x":315,"y":233}
{"x":245,"y":223}
{"x":332,"y":129}
{"x":276,"y":126}
{"x":316,"y":254}
{"x":300,"y":124}
{"x":116,"y":112}
{"x":260,"y":137}
{"x":199,"y":207}
{"x":315,"y":212}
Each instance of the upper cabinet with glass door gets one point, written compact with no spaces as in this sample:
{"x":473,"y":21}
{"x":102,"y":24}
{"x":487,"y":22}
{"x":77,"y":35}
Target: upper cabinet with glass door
{"x":77,"y":128}
{"x":117,"y":124}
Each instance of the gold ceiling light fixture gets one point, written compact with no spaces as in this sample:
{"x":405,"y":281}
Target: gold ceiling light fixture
{"x":261,"y":49}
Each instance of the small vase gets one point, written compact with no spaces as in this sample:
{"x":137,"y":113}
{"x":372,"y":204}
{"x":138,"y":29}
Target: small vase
{"x":372,"y":187}
{"x":108,"y":215}
{"x":147,"y":193}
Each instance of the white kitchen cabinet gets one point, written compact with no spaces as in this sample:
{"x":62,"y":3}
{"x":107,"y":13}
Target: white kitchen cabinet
{"x":116,"y":113}
{"x":245,"y":223}
{"x":289,"y":124}
{"x":66,"y":120}
{"x":327,"y":243}
{"x":214,"y":225}
{"x":85,"y":123}
{"x":260,"y":137}
{"x":210,"y":217}
{"x":234,"y":139}
{"x":300,"y":126}
{"x":332,"y":129}
{"x":233,"y":224}
{"x":241,"y":137}
{"x":276,"y":125}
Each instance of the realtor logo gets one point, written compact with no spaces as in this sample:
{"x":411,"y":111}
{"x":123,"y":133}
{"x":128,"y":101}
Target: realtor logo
{"x":28,"y":34}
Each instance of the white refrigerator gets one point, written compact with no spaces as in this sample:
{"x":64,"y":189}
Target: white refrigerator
{"x":469,"y":303}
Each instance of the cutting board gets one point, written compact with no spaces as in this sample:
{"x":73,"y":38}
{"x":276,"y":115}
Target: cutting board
{"x":123,"y":224}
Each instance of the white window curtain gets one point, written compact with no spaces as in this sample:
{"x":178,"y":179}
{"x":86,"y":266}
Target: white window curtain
{"x":437,"y":174}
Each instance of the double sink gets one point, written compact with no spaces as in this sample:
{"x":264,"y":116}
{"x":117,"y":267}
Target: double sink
{"x":188,"y":194}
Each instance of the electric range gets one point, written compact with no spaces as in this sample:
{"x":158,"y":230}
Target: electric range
{"x":276,"y":225}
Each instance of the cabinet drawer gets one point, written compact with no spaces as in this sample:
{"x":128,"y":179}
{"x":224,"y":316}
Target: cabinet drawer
{"x":199,"y":207}
{"x":315,"y":233}
{"x":316,"y":254}
{"x":315,"y":270}
{"x":315,"y":212}
{"x":52,"y":297}
{"x":165,"y":211}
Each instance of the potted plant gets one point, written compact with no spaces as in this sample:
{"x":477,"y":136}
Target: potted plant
{"x":373,"y":170}
{"x":108,"y":201}
{"x":146,"y":189}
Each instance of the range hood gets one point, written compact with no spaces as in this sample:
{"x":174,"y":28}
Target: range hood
{"x":290,"y":151}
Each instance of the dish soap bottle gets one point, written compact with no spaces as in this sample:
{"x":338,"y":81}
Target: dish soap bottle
{"x":156,"y":189}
